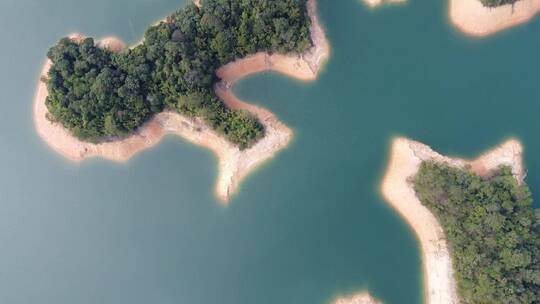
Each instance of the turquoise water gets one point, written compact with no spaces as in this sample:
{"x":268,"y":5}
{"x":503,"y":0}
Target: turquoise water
{"x":308,"y":225}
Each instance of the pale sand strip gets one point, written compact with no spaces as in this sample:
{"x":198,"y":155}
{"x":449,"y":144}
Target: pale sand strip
{"x":376,"y":3}
{"x":405,"y":159}
{"x":360,"y":298}
{"x":471,"y":17}
{"x":233,"y":164}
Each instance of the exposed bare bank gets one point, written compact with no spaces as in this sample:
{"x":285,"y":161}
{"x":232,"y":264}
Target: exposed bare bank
{"x":360,"y":298}
{"x":471,"y":17}
{"x":234,"y":164}
{"x":405,"y":159}
{"x":376,"y":3}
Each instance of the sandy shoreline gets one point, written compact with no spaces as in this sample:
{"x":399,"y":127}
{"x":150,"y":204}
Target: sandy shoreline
{"x":405,"y":159}
{"x":234,"y":164}
{"x":360,"y":298}
{"x":472,"y":18}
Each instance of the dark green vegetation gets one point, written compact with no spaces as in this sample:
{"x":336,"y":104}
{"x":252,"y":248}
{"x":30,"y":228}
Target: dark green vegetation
{"x":492,"y":230}
{"x":100,"y":95}
{"x":495,"y":3}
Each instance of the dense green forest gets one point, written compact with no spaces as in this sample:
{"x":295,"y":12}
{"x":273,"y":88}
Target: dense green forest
{"x":100,"y":95}
{"x":492,"y":230}
{"x":495,"y":3}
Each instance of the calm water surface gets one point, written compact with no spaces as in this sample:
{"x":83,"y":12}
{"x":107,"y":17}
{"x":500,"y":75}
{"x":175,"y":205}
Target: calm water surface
{"x":307,"y":226}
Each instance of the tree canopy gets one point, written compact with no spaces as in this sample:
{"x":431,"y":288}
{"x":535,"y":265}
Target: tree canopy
{"x":100,"y":95}
{"x":495,"y":3}
{"x":492,"y":231}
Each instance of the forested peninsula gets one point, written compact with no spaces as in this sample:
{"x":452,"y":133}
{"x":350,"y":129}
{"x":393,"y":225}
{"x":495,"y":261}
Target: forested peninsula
{"x":491,"y":228}
{"x":100,"y":95}
{"x":98,"y":99}
{"x":473,"y":219}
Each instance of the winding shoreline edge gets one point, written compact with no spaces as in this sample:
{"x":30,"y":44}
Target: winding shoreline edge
{"x":404,"y":161}
{"x":233,"y":164}
{"x":472,"y":18}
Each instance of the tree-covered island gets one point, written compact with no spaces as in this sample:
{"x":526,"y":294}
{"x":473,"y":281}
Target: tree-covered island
{"x":100,"y":95}
{"x":492,"y":231}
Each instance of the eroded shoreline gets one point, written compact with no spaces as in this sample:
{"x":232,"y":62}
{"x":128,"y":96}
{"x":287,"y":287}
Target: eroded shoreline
{"x":472,"y":18}
{"x":233,"y":164}
{"x":405,"y":159}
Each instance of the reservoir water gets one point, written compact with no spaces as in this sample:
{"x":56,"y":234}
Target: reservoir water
{"x":307,"y":226}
